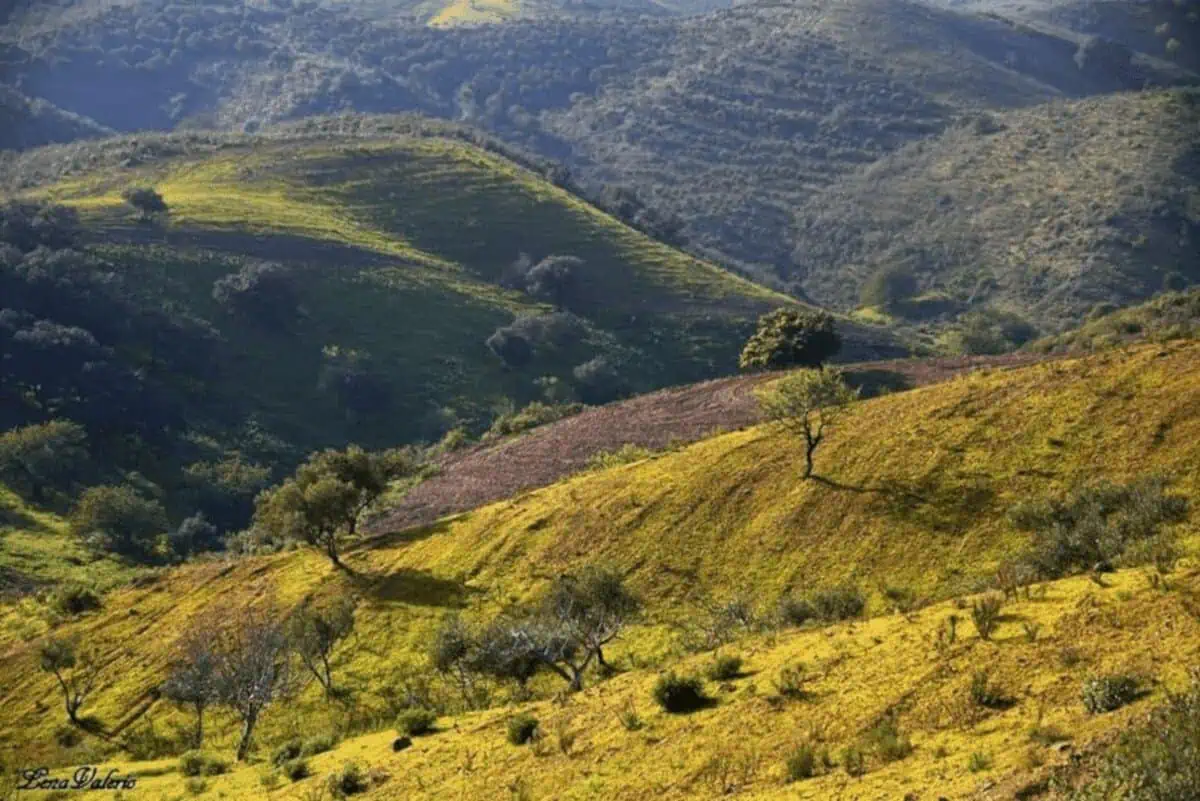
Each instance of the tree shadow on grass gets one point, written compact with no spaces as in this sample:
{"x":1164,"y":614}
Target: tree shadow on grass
{"x":413,"y":588}
{"x":929,"y":504}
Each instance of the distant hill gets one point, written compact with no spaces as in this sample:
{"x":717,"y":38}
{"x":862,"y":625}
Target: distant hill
{"x":724,"y":121}
{"x":401,"y":237}
{"x":26,"y":123}
{"x":1168,"y":316}
{"x":1044,"y":212}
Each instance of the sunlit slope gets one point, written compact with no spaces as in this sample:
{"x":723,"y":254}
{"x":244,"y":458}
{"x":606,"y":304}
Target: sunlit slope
{"x":400,"y":245}
{"x":862,"y":673}
{"x":914,"y":491}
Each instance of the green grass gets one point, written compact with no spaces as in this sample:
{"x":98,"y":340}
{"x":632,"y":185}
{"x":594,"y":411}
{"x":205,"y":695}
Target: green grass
{"x":401,"y":244}
{"x":1171,"y":315}
{"x":916,"y":490}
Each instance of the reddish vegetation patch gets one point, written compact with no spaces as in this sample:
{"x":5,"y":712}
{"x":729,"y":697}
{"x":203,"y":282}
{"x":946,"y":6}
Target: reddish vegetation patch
{"x":484,"y":474}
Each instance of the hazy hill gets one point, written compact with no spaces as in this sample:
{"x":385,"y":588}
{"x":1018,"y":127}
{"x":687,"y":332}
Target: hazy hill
{"x":911,"y":479}
{"x":726,"y":120}
{"x":1045,"y":211}
{"x":26,"y":123}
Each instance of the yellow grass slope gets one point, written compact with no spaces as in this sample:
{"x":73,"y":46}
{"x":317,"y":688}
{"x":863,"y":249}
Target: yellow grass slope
{"x":914,"y":491}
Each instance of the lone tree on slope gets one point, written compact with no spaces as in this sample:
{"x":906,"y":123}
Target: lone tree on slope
{"x":791,"y":338}
{"x":807,"y":403}
{"x":324,"y":502}
{"x":147,"y":201}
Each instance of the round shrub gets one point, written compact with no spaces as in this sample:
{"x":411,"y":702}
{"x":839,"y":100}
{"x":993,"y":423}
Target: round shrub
{"x":192,"y":763}
{"x":75,"y":599}
{"x":795,"y":611}
{"x":318,"y":744}
{"x":522,"y":728}
{"x":350,"y":780}
{"x":296,"y":770}
{"x":214,"y":766}
{"x":286,"y":752}
{"x":725,"y":668}
{"x":1106,"y":693}
{"x":415,"y":722}
{"x":679,"y":694}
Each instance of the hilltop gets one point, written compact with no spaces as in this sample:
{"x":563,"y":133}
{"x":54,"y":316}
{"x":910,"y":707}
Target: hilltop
{"x":1033,"y":212}
{"x":1170,"y":315}
{"x":722,"y":123}
{"x":912,"y":479}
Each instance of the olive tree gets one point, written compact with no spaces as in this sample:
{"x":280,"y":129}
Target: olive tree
{"x":146,"y":200}
{"x":76,"y":670}
{"x":807,"y":403}
{"x":193,"y":678}
{"x":324,"y":502}
{"x":316,"y":633}
{"x":38,"y":458}
{"x":790,"y":337}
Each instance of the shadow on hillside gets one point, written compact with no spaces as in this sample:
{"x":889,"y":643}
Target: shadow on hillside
{"x":929,"y":504}
{"x":405,"y":536}
{"x":871,"y":383}
{"x":413,"y":587}
{"x":12,"y":517}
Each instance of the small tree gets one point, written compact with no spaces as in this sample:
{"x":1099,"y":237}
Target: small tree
{"x":510,"y":346}
{"x":323,"y":503}
{"x":262,"y":292}
{"x":316,"y":633}
{"x":789,"y":337}
{"x":254,"y":669}
{"x":194,"y":534}
{"x":46,"y":456}
{"x":554,"y":278}
{"x":808,"y":403}
{"x":193,"y":678}
{"x":593,"y":608}
{"x":77,"y":672}
{"x":597,"y":381}
{"x":147,"y":201}
{"x":888,"y":287}
{"x":118,"y":519}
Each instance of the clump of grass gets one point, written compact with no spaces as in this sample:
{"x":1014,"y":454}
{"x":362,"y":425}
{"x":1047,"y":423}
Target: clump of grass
{"x":795,"y":611}
{"x":985,"y":614}
{"x":792,"y":681}
{"x":853,"y":761}
{"x":629,"y":717}
{"x":979,"y":762}
{"x":888,"y":742}
{"x":1107,"y":693}
{"x":986,"y":694}
{"x":725,"y":668}
{"x":802,"y":763}
{"x":679,"y":694}
{"x":839,"y":603}
{"x":626,"y":454}
{"x":198,"y":763}
{"x":318,"y":744}
{"x":522,"y":728}
{"x":287,"y":752}
{"x":350,"y":780}
{"x":195,"y":785}
{"x":415,"y":722}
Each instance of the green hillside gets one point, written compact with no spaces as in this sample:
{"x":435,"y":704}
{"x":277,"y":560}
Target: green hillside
{"x":1043,"y":212}
{"x":908,"y":480}
{"x":400,"y":244}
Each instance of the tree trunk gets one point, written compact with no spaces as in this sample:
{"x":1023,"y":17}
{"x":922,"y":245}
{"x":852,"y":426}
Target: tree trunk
{"x":243,"y":749}
{"x":810,"y":446}
{"x":199,"y":736}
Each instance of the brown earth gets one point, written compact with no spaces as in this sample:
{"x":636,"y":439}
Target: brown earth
{"x":487,"y":473}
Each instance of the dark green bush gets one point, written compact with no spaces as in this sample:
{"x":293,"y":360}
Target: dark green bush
{"x":795,"y":611}
{"x":853,"y":761}
{"x":75,"y":599}
{"x":318,"y":744}
{"x":192,"y":763}
{"x":985,"y":613}
{"x":679,"y":694}
{"x":350,"y":780}
{"x":286,"y":752}
{"x":296,"y":769}
{"x":1159,"y":761}
{"x":1106,"y":693}
{"x":522,"y":728}
{"x":724,"y":668}
{"x":415,"y":722}
{"x":839,"y":603}
{"x":802,"y":763}
{"x":215,"y":766}
{"x":888,"y":742}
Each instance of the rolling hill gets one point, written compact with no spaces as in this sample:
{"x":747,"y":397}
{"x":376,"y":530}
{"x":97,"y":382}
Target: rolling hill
{"x":400,"y":238}
{"x":1045,"y":211}
{"x":725,"y":121}
{"x":909,"y":480}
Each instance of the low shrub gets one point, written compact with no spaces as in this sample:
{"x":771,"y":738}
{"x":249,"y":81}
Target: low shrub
{"x":679,"y":694}
{"x":629,"y":717}
{"x":195,"y":786}
{"x":522,"y":728}
{"x":888,"y":742}
{"x":415,"y":722}
{"x":724,"y":668}
{"x":839,"y":603}
{"x":286,"y":752}
{"x":318,"y":744}
{"x":215,"y":766}
{"x":985,"y":614}
{"x":192,"y":763}
{"x":1107,"y":693}
{"x":853,"y":761}
{"x":350,"y":780}
{"x":986,"y":694}
{"x":795,"y":611}
{"x":296,"y":770}
{"x":802,"y":763}
{"x":791,"y":682}
{"x":75,"y":599}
